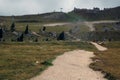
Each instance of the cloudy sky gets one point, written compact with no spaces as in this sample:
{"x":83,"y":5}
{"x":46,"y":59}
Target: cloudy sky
{"x":21,"y":7}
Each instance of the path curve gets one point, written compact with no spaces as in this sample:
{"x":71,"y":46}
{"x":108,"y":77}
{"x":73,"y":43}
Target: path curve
{"x":90,"y":24}
{"x":55,"y":24}
{"x":73,"y":65}
{"x":99,"y":47}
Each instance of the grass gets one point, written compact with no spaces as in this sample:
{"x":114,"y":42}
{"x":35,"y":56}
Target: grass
{"x":43,"y":18}
{"x":104,"y":31}
{"x":74,"y":17}
{"x":34,"y":27}
{"x":109,"y":61}
{"x":21,"y":61}
{"x":58,"y":29}
{"x":37,"y":26}
{"x":102,"y":26}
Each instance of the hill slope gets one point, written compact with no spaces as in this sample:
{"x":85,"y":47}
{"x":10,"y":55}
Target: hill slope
{"x":97,"y":14}
{"x":46,"y":17}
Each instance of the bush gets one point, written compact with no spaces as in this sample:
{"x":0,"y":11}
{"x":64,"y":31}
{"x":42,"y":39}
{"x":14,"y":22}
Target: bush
{"x":20,"y":39}
{"x":1,"y":33}
{"x":26,"y":30}
{"x":61,"y":36}
{"x":12,"y":28}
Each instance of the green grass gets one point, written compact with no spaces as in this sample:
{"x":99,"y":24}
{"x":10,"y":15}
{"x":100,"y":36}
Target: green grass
{"x":41,"y":17}
{"x":58,"y":29}
{"x":34,"y":27}
{"x":18,"y":60}
{"x":74,"y":17}
{"x":101,"y":26}
{"x":109,"y":61}
{"x":37,"y":26}
{"x":105,"y":31}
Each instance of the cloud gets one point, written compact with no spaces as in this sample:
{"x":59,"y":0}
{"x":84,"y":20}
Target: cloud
{"x":109,"y":3}
{"x":18,"y":7}
{"x":21,"y":7}
{"x":88,"y":3}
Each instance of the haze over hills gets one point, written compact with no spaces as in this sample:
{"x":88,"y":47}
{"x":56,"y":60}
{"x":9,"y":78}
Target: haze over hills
{"x":29,"y":43}
{"x":97,"y":14}
{"x":75,"y":15}
{"x":22,"y":7}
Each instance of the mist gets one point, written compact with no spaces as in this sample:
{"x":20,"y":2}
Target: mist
{"x":22,"y":7}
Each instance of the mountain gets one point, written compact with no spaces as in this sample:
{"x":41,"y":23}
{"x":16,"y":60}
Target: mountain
{"x":97,"y":14}
{"x":75,"y":15}
{"x":46,"y":17}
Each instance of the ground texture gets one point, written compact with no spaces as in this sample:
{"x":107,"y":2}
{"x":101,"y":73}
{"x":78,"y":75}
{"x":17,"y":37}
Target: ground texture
{"x":72,"y":65}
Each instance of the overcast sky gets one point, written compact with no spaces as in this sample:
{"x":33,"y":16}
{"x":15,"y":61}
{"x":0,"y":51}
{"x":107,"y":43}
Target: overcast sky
{"x":21,"y":7}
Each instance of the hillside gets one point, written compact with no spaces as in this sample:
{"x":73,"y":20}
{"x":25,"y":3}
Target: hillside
{"x":97,"y":14}
{"x":46,"y":17}
{"x":74,"y":29}
{"x":75,"y":15}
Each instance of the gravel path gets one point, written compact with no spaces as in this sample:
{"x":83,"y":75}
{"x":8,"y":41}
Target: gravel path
{"x":73,"y":65}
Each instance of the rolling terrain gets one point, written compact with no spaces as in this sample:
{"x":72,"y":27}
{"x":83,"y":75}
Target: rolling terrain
{"x":97,"y":14}
{"x":30,"y":43}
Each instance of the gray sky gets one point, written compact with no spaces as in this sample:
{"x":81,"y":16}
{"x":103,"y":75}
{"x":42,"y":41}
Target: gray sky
{"x":21,"y":7}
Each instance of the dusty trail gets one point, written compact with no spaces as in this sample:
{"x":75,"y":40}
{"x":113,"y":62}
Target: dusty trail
{"x":91,"y":24}
{"x":56,"y":24}
{"x":99,"y":47}
{"x":72,"y":65}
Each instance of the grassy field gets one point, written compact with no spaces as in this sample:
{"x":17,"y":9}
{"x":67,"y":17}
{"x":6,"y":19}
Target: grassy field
{"x":37,"y":26}
{"x":109,"y":61}
{"x":34,"y":27}
{"x":21,"y":61}
{"x":102,"y":26}
{"x":45,"y":17}
{"x":105,"y":32}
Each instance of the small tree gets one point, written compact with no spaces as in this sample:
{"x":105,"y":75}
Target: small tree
{"x":61,"y":36}
{"x":20,"y":39}
{"x":1,"y":34}
{"x":26,"y":30}
{"x":12,"y":28}
{"x":44,"y":28}
{"x":36,"y":40}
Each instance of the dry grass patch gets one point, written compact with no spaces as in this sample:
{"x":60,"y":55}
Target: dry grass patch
{"x":109,"y":61}
{"x":21,"y":61}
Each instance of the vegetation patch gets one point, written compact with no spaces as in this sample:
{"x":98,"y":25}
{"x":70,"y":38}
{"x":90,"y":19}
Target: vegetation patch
{"x":21,"y":61}
{"x":108,"y":61}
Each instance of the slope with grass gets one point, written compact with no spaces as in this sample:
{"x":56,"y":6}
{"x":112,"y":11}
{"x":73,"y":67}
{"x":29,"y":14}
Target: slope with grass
{"x":102,"y":30}
{"x":21,"y":61}
{"x":73,"y":65}
{"x":109,"y":61}
{"x":93,"y":14}
{"x":43,"y":18}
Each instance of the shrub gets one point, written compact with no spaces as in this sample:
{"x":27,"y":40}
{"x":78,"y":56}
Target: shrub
{"x":26,"y":30}
{"x":12,"y":28}
{"x":61,"y":36}
{"x":1,"y":33}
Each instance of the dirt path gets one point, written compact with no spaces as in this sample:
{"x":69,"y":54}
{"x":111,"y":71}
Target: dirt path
{"x":91,"y":24}
{"x":56,"y":24}
{"x":99,"y":47}
{"x":72,"y":65}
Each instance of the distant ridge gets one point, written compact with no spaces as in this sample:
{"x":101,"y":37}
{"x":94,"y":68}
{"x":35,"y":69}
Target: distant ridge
{"x":75,"y":15}
{"x":97,"y":14}
{"x":46,"y":17}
